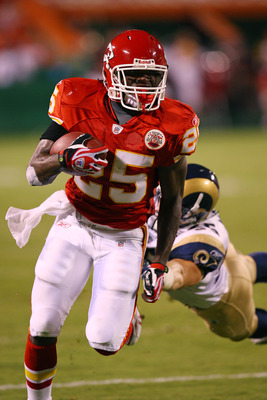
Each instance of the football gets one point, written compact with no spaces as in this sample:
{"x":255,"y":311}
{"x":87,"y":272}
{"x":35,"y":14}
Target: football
{"x":65,"y":141}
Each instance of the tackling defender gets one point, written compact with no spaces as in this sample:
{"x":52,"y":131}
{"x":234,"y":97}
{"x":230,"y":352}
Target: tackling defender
{"x":205,"y":271}
{"x":102,"y":214}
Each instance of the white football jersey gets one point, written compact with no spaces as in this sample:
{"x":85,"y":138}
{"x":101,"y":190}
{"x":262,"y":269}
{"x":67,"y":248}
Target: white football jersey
{"x":204,"y":243}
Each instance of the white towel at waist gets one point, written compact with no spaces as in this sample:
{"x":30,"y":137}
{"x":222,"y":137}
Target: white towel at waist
{"x":21,"y":222}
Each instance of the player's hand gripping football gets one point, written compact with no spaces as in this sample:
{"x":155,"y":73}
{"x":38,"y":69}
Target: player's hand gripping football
{"x":79,"y":158}
{"x":153,"y":278}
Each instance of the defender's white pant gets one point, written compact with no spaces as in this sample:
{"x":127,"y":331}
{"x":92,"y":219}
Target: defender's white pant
{"x":71,"y":250}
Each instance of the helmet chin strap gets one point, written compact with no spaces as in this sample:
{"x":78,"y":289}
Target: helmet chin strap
{"x":195,"y":207}
{"x":145,"y":99}
{"x":197,"y":203}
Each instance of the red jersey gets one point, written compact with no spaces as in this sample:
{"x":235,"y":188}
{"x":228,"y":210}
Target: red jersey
{"x":119,"y":196}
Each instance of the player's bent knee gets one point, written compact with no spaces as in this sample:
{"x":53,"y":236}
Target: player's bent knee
{"x":238,"y":338}
{"x":45,"y":322}
{"x":99,"y":330}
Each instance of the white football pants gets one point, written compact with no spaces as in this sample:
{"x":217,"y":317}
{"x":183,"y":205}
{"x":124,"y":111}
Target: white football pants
{"x":73,"y":247}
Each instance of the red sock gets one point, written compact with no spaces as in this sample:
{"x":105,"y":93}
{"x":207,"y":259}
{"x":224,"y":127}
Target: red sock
{"x":40,"y":365}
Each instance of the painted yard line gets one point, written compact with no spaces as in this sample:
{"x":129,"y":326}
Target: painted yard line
{"x":192,"y":378}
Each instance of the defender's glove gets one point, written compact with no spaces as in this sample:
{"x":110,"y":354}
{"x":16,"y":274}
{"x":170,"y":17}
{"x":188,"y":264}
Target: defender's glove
{"x":81,"y":159}
{"x":152,"y":277}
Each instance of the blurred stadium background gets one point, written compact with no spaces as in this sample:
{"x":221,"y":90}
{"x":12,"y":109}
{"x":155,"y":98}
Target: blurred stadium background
{"x":217,"y":52}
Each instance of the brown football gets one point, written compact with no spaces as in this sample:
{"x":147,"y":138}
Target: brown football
{"x":65,"y":141}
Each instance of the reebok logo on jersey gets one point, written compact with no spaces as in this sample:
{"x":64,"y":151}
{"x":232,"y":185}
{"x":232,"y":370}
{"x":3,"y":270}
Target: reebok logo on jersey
{"x":116,"y":129}
{"x":63,"y":224}
{"x":155,"y":139}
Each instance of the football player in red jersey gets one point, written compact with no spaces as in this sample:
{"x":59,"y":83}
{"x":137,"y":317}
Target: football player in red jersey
{"x":101,"y":216}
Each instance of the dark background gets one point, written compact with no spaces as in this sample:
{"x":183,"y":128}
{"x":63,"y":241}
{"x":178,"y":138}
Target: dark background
{"x":44,"y":42}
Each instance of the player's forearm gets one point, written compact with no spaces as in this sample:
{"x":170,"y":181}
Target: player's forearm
{"x":168,"y":223}
{"x":42,"y":173}
{"x":43,"y":167}
{"x":172,"y":183}
{"x":181,"y":273}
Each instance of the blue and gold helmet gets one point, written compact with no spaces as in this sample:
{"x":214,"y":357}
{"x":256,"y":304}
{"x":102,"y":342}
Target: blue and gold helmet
{"x":201,"y":193}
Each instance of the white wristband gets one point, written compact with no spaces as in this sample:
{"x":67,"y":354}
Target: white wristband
{"x":168,"y":280}
{"x":32,"y":177}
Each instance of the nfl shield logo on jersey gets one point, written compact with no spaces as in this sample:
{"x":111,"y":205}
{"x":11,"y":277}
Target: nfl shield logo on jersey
{"x":154,"y":139}
{"x":116,"y":129}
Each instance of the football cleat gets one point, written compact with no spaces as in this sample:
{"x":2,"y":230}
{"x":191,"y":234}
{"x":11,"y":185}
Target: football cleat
{"x":259,"y":340}
{"x":137,"y":326}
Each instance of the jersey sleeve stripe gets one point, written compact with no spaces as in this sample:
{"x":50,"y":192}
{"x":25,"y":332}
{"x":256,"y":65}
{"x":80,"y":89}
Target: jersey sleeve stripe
{"x":57,"y":120}
{"x":177,"y":158}
{"x":212,"y":241}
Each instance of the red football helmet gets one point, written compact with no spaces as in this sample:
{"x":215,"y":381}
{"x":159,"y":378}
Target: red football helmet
{"x":131,"y":56}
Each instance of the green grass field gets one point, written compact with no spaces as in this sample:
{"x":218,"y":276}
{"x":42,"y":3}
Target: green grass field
{"x":174,"y":343}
